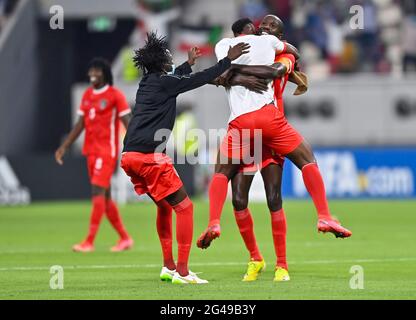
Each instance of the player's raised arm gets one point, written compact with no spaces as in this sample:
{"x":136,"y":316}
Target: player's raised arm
{"x":73,"y":135}
{"x":175,"y":85}
{"x":185,"y":68}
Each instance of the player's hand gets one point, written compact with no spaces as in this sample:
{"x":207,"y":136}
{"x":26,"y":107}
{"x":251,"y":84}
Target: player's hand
{"x":59,"y":154}
{"x":252,"y":83}
{"x":193,"y":55}
{"x":238,"y":50}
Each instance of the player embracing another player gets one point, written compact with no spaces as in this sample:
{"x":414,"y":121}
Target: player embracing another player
{"x":144,"y":159}
{"x":102,"y":107}
{"x":251,"y":111}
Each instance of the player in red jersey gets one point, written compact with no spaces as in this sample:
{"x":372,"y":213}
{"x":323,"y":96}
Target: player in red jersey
{"x":277,"y":135}
{"x":102,"y":107}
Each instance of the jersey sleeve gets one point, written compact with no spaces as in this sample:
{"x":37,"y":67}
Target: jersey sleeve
{"x":221,"y":49}
{"x":175,"y":85}
{"x":122,"y":105}
{"x":278,"y":45}
{"x":183,"y":69}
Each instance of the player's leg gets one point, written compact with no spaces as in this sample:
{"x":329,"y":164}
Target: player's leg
{"x":164,"y":231}
{"x":241,"y":184}
{"x":272,"y":178}
{"x":217,"y":192}
{"x":183,"y":208}
{"x":281,"y":137}
{"x":98,"y":209}
{"x":125,"y":242}
{"x":224,"y":171}
{"x":304,"y":159}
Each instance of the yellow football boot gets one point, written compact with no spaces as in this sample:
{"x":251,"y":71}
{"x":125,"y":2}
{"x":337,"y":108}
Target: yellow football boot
{"x":253,"y":270}
{"x":281,"y":274}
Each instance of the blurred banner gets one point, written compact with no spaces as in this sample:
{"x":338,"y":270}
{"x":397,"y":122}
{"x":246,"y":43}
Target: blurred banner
{"x":353,"y":173}
{"x":11,"y":190}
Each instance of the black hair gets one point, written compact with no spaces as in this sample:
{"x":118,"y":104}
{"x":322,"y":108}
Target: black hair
{"x":239,"y":25}
{"x":154,"y":56}
{"x":104,"y":66}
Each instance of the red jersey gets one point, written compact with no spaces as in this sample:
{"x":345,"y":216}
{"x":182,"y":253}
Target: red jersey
{"x":279,"y":84}
{"x":101,"y":110}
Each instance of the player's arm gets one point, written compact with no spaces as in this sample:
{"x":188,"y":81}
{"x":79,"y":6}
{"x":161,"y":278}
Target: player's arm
{"x":282,"y":66}
{"x":291,"y":49}
{"x":73,"y":135}
{"x":125,"y":120}
{"x":230,"y":78}
{"x":277,"y":70}
{"x":175,"y":85}
{"x":185,"y":68}
{"x":123,"y":108}
{"x":252,"y":83}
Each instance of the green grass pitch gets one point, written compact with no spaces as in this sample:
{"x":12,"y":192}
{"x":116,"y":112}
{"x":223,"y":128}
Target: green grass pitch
{"x":34,"y":238}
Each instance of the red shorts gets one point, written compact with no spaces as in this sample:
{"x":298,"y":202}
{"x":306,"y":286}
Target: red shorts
{"x":101,"y":169}
{"x":268,"y":123}
{"x":151,"y":173}
{"x":268,"y":157}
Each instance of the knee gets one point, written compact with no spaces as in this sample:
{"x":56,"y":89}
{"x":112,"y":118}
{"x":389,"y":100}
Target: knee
{"x":274,"y":201}
{"x":239,"y":202}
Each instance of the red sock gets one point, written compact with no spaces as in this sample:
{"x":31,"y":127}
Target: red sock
{"x":316,"y":188}
{"x":184,"y":232}
{"x":98,"y":209}
{"x":217,"y":194}
{"x":114,"y":216}
{"x":245,"y":225}
{"x":279,"y":230}
{"x":164,"y":230}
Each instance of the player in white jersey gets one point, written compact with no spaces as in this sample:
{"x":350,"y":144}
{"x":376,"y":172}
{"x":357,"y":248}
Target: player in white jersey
{"x":255,"y":115}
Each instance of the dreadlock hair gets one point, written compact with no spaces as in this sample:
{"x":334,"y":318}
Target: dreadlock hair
{"x":154,"y":55}
{"x":239,"y":25}
{"x":104,"y":66}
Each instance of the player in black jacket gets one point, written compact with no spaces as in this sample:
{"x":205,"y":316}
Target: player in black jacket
{"x":150,"y":169}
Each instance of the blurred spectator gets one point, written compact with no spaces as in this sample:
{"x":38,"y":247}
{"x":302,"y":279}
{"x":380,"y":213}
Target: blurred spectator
{"x":325,"y":25}
{"x":255,"y":10}
{"x":315,"y":28}
{"x":367,"y":38}
{"x":409,"y":43}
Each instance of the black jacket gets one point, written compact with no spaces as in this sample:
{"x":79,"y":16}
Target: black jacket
{"x":156,"y":105}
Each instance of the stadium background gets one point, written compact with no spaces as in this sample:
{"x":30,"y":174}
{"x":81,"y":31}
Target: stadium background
{"x":359,"y":112}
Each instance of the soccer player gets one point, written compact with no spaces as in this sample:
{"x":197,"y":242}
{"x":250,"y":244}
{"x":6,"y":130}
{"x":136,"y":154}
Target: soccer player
{"x":102,"y":107}
{"x":144,"y":159}
{"x":252,"y":111}
{"x":271,"y":168}
{"x":271,"y":165}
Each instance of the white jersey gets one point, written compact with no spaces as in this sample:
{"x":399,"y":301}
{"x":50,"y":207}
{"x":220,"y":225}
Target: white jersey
{"x":263,"y":50}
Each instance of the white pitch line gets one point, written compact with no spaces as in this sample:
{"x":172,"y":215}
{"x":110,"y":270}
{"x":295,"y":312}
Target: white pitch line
{"x":138,"y":266}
